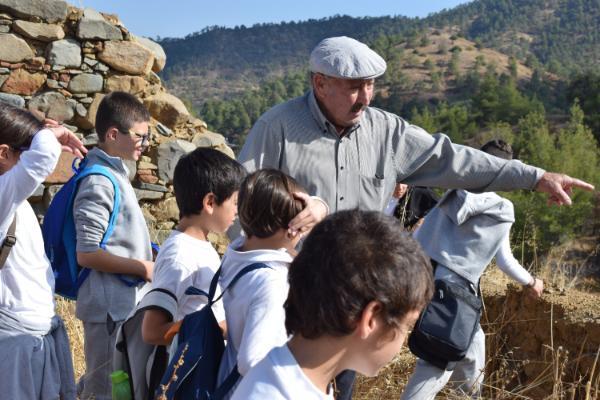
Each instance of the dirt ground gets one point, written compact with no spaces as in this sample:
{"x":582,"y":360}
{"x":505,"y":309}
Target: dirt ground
{"x":536,"y":349}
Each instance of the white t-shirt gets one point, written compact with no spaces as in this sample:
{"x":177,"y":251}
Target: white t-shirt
{"x":184,"y":261}
{"x":254,"y":306}
{"x":27,"y":281}
{"x":278,"y":376}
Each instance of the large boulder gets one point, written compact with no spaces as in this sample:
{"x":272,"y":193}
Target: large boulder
{"x":89,"y":121}
{"x":86,"y":83}
{"x":166,"y":210}
{"x":214,"y":141}
{"x":168,"y":155}
{"x":66,"y":53}
{"x":39,"y":31}
{"x":13,"y":49}
{"x":21,"y":81}
{"x":160,"y":57}
{"x":208,"y":139}
{"x":167,"y":109}
{"x":48,"y":10}
{"x":128,"y":57}
{"x":63,"y":171}
{"x":51,"y":105}
{"x":93,"y":26}
{"x":135,"y":85}
{"x":12,"y":99}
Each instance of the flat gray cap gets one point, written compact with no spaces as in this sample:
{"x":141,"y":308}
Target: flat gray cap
{"x":346,"y":58}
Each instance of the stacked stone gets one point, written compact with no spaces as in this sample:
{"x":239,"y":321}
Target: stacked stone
{"x":59,"y":61}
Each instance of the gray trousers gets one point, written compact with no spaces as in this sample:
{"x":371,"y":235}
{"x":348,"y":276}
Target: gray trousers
{"x":99,"y":347}
{"x":466,"y":378}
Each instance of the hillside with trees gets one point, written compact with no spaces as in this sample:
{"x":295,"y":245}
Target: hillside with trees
{"x":559,"y":36}
{"x":524,"y":71}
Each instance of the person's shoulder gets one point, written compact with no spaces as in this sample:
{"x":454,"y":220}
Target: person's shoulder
{"x":185,"y":252}
{"x":377,"y":114}
{"x":285,"y":110}
{"x":263,"y":380}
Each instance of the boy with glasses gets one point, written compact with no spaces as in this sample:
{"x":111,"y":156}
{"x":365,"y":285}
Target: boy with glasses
{"x":104,"y":300}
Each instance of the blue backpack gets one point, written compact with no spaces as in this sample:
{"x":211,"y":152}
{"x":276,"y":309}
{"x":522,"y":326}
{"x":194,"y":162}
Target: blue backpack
{"x":59,"y":234}
{"x":194,"y":368}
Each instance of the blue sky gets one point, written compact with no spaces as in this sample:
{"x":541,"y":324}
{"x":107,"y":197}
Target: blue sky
{"x":177,"y":18}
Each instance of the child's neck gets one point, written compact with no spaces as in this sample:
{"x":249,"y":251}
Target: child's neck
{"x":321,"y":360}
{"x":194,"y":226}
{"x":105,"y":147}
{"x":279,"y":240}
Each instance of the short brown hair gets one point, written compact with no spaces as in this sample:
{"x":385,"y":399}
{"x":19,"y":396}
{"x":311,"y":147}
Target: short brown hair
{"x":348,"y":260}
{"x":266,"y":202}
{"x":120,"y":110}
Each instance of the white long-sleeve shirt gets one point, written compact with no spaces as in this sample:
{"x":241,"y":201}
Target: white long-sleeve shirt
{"x":26,"y":281}
{"x":509,"y":264}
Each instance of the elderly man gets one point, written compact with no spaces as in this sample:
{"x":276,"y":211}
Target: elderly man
{"x":351,"y":155}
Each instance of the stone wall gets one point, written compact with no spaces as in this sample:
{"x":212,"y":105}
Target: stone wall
{"x":59,"y":61}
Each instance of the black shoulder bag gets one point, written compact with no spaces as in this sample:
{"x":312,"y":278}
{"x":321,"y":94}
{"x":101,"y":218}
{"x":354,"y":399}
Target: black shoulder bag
{"x":446,"y":327}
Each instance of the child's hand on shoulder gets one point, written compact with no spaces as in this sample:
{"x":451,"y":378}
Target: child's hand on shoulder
{"x":67,"y":139}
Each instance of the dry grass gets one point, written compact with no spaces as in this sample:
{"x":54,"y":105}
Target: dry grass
{"x":66,"y":310}
{"x":556,"y":355}
{"x":547,"y":349}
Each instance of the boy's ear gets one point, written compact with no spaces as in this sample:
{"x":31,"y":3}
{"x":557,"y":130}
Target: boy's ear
{"x":369,"y":321}
{"x":111,"y":133}
{"x":4,"y":151}
{"x":209,"y":202}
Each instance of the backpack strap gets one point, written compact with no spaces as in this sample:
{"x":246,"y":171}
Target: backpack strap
{"x":192,"y":290}
{"x":101,"y":170}
{"x":9,"y":241}
{"x":83,"y":172}
{"x":227,"y":384}
{"x":247,"y":269}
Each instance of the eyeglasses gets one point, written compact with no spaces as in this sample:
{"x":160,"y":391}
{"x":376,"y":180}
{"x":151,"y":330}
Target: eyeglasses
{"x":143,"y":137}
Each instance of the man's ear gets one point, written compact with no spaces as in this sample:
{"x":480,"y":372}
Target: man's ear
{"x":370,"y":320}
{"x":209,"y":202}
{"x":318,"y":83}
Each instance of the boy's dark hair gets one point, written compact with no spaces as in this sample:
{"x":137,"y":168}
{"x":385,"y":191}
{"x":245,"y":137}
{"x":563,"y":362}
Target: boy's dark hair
{"x":17,"y":126}
{"x":498,"y":148}
{"x":120,"y":110}
{"x":348,"y":260}
{"x":201,"y":172}
{"x":266,"y":202}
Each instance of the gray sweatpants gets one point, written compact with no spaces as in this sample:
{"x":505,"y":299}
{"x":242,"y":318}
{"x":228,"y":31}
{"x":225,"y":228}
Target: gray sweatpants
{"x":427,"y":380}
{"x":99,"y":347}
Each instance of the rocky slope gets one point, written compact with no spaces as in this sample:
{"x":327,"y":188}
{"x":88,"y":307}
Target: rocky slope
{"x":59,"y":62}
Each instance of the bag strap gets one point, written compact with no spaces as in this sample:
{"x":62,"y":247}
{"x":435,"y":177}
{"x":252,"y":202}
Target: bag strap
{"x":227,"y":384}
{"x":215,"y":281}
{"x":9,"y":241}
{"x":82,"y":172}
{"x":101,"y":170}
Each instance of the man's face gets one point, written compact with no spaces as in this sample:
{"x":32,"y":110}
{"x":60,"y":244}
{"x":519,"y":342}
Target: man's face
{"x":343,"y":100}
